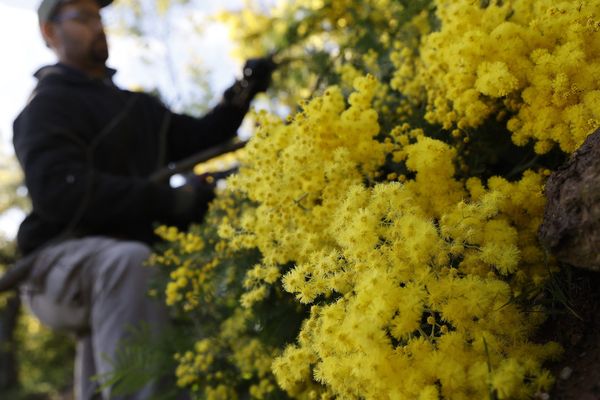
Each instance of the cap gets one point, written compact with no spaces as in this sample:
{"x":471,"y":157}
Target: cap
{"x":47,"y":7}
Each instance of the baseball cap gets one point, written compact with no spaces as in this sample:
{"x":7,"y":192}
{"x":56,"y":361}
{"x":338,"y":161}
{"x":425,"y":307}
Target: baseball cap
{"x":47,"y":7}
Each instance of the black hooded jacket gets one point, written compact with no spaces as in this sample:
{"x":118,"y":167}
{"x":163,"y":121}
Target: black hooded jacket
{"x":87,"y":149}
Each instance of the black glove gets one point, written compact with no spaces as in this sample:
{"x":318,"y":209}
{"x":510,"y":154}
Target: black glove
{"x":257,"y":73}
{"x":257,"y":77}
{"x":191,"y":200}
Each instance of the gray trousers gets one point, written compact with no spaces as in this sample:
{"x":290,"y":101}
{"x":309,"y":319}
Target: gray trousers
{"x":95,"y":287}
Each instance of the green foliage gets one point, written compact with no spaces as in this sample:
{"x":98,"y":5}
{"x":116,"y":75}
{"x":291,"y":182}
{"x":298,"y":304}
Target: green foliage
{"x":44,"y":357}
{"x":12,"y":194}
{"x":312,"y":42}
{"x":146,"y":358}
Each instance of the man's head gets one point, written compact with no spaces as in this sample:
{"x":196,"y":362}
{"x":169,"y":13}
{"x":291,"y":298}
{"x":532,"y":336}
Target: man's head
{"x":73,"y":29}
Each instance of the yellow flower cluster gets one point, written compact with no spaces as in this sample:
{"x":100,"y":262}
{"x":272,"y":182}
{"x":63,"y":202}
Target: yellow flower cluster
{"x":187,"y":242}
{"x":415,"y":279}
{"x":427,"y":311}
{"x":193,"y":257}
{"x":202,"y":278}
{"x":537,"y":60}
{"x":308,"y":163}
{"x":400,"y":264}
{"x":186,"y":285}
{"x":202,"y":369}
{"x":197,"y":362}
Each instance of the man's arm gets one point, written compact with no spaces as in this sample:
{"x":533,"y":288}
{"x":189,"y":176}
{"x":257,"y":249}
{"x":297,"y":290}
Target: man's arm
{"x":188,"y":135}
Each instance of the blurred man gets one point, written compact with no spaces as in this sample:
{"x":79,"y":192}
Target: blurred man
{"x":88,"y":149}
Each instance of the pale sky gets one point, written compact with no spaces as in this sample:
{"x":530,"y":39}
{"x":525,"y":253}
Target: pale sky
{"x":23,"y":52}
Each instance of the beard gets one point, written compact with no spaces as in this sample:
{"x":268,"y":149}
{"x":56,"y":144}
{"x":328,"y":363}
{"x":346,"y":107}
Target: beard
{"x":91,"y":54}
{"x":99,"y":50}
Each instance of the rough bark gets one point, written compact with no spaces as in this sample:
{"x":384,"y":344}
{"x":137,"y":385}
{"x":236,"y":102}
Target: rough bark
{"x":571,"y":225}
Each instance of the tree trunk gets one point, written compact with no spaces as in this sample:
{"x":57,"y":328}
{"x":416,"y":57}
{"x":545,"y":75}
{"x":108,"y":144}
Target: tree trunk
{"x":571,"y":225}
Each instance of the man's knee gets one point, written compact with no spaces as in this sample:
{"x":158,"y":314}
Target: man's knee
{"x":124,"y":263}
{"x":131,"y":253}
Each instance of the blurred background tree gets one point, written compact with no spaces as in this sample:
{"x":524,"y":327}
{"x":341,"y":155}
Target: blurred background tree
{"x":10,"y":202}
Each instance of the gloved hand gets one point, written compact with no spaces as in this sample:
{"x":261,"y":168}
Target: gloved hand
{"x":257,"y":72}
{"x":191,"y":200}
{"x":257,"y":77}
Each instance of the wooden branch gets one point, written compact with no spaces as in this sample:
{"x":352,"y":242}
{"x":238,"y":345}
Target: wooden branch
{"x":189,"y":163}
{"x":14,"y":276}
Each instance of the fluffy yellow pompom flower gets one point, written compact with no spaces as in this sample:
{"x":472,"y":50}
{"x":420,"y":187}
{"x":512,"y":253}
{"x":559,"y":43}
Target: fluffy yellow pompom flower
{"x":537,"y":60}
{"x":445,"y":257}
{"x":495,"y":80}
{"x":295,"y":171}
